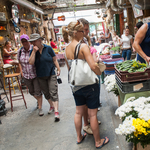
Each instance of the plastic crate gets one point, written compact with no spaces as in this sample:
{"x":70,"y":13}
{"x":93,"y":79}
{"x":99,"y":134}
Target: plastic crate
{"x":132,"y":87}
{"x":108,"y":72}
{"x":125,"y":76}
{"x":114,"y":60}
{"x":110,"y":68}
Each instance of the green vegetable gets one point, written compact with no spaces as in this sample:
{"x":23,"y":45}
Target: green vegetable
{"x":131,"y":66}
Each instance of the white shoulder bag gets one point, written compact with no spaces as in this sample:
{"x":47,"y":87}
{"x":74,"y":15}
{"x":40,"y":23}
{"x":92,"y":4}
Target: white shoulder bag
{"x":80,"y":72}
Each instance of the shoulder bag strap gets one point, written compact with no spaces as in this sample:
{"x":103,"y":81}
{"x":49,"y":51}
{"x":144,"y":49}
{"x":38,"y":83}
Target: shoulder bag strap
{"x":76,"y":53}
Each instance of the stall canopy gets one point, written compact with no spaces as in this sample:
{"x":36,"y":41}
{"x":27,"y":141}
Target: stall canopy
{"x":89,"y":15}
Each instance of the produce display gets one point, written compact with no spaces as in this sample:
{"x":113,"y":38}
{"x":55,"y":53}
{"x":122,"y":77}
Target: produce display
{"x":56,"y":50}
{"x":115,"y":49}
{"x":131,"y":66}
{"x":106,"y":50}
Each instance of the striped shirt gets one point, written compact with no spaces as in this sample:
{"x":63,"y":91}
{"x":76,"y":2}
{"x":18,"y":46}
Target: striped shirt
{"x":29,"y":71}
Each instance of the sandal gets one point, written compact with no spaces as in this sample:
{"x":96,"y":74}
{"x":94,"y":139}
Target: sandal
{"x":83,"y":137}
{"x":103,"y":143}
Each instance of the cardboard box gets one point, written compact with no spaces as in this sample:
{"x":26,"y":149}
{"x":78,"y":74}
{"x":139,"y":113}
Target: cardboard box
{"x":139,"y":147}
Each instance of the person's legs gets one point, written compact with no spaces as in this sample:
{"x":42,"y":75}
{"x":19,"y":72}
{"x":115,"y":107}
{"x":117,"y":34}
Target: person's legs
{"x":102,"y":77}
{"x":37,"y":92}
{"x":16,"y":64}
{"x":85,"y":116}
{"x":128,"y":54}
{"x":39,"y":99}
{"x":78,"y":121}
{"x":124,"y":53}
{"x":95,"y":128}
{"x":45,"y":89}
{"x":53,"y":90}
{"x":94,"y":124}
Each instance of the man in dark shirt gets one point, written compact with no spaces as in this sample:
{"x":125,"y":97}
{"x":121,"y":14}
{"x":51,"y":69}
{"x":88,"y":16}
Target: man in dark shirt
{"x":93,"y":39}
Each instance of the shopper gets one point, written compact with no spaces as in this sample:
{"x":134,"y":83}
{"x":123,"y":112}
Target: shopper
{"x":7,"y":52}
{"x":83,"y":95}
{"x":28,"y":72}
{"x":116,"y":39}
{"x":142,"y":43}
{"x":86,"y":126}
{"x":45,"y":62}
{"x":108,"y":36}
{"x":53,"y":44}
{"x":96,"y":59}
{"x":127,"y":41}
{"x":93,"y":40}
{"x":102,"y":38}
{"x":139,"y":24}
{"x":137,"y":27}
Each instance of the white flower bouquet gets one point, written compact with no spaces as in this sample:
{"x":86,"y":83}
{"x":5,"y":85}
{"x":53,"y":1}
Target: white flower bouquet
{"x":110,"y":83}
{"x":135,"y":115}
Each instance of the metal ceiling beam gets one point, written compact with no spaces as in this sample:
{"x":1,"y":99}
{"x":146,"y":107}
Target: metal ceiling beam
{"x":29,"y":5}
{"x":77,"y":8}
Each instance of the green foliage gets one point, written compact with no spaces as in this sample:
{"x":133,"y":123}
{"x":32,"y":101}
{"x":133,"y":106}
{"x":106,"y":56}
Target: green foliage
{"x":131,"y":66}
{"x":115,"y":49}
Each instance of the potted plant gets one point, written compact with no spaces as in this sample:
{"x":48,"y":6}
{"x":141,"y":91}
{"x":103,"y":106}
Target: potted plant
{"x":111,"y":86}
{"x":115,"y":50}
{"x":135,"y":115}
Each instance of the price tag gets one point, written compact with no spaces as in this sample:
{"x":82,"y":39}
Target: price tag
{"x":137,"y":87}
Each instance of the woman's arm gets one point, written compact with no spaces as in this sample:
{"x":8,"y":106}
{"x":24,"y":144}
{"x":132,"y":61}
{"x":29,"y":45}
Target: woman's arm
{"x":95,"y":57}
{"x":131,"y":41}
{"x":32,"y":57}
{"x":6,"y":52}
{"x":57,"y":65}
{"x":140,"y":35}
{"x":88,"y":57}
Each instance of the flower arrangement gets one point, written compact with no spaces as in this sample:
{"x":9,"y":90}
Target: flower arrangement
{"x":110,"y":83}
{"x":135,"y":115}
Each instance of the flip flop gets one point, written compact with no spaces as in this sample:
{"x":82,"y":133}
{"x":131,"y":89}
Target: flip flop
{"x":103,"y":143}
{"x":83,"y":137}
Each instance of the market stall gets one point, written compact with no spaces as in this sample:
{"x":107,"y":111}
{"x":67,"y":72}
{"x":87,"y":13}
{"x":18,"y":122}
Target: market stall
{"x":132,"y":79}
{"x":60,"y":55}
{"x":131,"y":82}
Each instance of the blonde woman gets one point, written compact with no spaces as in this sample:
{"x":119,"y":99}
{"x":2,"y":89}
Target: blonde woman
{"x":83,"y":95}
{"x":7,"y":52}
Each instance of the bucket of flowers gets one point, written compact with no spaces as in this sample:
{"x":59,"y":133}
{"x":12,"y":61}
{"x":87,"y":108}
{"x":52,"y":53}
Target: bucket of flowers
{"x":111,"y":86}
{"x":135,"y":115}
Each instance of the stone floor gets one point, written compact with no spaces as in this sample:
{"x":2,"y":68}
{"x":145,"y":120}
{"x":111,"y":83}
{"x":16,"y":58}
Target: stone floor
{"x":23,"y":129}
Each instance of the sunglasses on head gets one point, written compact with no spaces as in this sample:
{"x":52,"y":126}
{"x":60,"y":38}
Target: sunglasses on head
{"x":81,"y":31}
{"x":78,"y":22}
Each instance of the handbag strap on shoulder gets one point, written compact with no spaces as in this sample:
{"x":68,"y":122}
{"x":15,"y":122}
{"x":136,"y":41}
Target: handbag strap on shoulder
{"x":77,"y":49}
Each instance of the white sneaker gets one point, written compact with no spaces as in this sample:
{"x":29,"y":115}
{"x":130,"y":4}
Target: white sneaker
{"x":57,"y":118}
{"x":41,"y":112}
{"x":51,"y":110}
{"x":99,"y":108}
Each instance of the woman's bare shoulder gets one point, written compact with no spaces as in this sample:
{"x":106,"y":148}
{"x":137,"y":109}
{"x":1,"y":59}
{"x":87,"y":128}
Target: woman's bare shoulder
{"x":84,"y":46}
{"x":4,"y":49}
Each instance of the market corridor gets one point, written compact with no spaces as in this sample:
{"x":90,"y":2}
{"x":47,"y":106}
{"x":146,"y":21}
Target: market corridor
{"x":23,"y":129}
